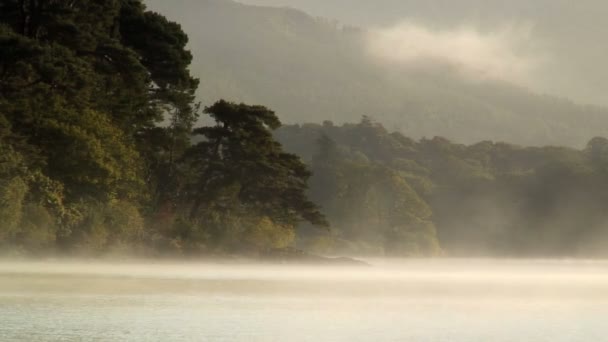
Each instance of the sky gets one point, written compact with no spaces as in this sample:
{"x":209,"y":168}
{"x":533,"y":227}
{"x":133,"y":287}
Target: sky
{"x":555,"y":47}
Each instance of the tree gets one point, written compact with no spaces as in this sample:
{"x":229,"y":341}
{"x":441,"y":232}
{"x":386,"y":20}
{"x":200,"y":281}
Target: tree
{"x":240,"y":153}
{"x":85,"y":89}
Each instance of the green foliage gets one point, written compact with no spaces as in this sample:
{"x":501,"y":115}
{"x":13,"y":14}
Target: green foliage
{"x":265,"y":234}
{"x":124,"y":222}
{"x":427,"y":197}
{"x":240,"y":153}
{"x":239,"y":190}
{"x":12,"y":196}
{"x":372,"y":208}
{"x":99,"y":227}
{"x":94,"y":158}
{"x":37,"y":229}
{"x":83,"y":86}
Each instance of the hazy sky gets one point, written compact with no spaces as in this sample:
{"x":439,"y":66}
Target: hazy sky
{"x":550,"y":46}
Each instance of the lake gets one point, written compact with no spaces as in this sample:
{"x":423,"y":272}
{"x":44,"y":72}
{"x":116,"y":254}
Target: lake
{"x":390,"y":300}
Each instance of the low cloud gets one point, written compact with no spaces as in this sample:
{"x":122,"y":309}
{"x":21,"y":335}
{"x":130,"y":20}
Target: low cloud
{"x":501,"y":54}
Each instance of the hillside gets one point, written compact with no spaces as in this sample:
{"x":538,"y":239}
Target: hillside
{"x":310,"y":69}
{"x":567,"y":31}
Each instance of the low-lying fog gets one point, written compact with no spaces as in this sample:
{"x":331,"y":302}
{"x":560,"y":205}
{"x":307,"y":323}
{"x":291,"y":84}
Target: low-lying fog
{"x":390,"y":300}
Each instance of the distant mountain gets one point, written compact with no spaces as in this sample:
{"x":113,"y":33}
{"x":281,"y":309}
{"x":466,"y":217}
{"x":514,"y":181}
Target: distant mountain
{"x":568,"y":31}
{"x":309,"y":70}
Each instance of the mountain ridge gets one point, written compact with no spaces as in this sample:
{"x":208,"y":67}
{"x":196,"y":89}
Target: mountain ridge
{"x":311,"y":69}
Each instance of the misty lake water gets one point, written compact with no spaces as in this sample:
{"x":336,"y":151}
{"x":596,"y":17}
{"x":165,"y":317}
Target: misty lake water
{"x":407,"y":300}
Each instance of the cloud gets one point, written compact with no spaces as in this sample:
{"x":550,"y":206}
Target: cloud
{"x":501,"y":54}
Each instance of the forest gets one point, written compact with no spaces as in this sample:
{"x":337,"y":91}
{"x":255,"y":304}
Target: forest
{"x":103,"y":150}
{"x":387,"y":194}
{"x":97,"y":115}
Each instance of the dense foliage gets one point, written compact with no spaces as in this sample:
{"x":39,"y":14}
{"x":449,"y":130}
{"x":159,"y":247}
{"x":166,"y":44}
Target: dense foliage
{"x":384,"y":192}
{"x":96,"y":116}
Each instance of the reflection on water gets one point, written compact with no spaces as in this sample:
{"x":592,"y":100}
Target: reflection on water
{"x":392,"y":300}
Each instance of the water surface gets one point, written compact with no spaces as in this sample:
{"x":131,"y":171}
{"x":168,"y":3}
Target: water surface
{"x":392,"y":300}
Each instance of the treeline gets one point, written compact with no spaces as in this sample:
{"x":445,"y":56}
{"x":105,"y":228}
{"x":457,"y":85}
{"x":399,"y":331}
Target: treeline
{"x":97,"y":116}
{"x":385,"y":193}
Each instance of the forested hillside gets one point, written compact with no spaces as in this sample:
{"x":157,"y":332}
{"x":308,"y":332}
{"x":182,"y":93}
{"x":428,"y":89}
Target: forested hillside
{"x":104,"y":148}
{"x":313,"y":69}
{"x":567,"y":31}
{"x":386,"y":193}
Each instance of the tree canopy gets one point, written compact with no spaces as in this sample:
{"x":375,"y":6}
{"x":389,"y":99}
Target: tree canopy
{"x":385,"y":193}
{"x":97,"y":110}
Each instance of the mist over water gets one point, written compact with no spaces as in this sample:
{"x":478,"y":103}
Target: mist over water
{"x":390,"y":300}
